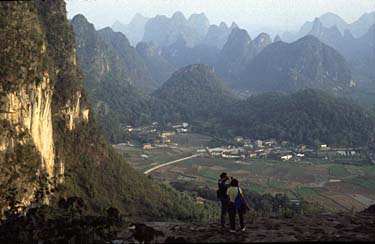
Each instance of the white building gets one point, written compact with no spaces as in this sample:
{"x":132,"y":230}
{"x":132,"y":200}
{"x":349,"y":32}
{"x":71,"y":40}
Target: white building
{"x":286,"y":157}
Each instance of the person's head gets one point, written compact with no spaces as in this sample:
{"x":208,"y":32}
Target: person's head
{"x":234,"y":182}
{"x":223,"y":175}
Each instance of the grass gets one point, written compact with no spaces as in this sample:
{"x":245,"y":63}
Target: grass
{"x":364,"y":182}
{"x":339,"y":171}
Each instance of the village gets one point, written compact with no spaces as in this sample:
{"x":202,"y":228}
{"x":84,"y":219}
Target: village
{"x":239,"y":148}
{"x":283,"y":151}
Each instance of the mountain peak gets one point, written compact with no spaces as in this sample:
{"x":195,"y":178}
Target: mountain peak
{"x":261,"y":41}
{"x":233,"y":26}
{"x":81,"y":19}
{"x":263,"y":38}
{"x":179,"y":17}
{"x":223,"y":25}
{"x":239,"y":36}
{"x":84,"y":26}
{"x":277,"y":39}
{"x":201,"y":17}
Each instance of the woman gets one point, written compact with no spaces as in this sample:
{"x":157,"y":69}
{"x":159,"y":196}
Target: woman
{"x":237,"y":204}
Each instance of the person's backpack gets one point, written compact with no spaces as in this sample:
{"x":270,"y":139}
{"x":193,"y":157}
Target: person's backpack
{"x":239,"y":201}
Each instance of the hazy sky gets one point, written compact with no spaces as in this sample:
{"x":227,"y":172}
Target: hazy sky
{"x":270,"y":13}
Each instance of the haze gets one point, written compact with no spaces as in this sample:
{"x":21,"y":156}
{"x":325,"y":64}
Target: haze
{"x":250,"y":14}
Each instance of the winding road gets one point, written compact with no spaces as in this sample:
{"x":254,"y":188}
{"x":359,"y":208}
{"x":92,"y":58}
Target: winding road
{"x":169,"y":163}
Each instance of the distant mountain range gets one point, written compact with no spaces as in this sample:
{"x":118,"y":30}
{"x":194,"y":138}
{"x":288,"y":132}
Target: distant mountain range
{"x":306,"y":63}
{"x":134,"y":30}
{"x":358,"y":28}
{"x":358,"y":49}
{"x":188,"y":76}
{"x":164,"y":31}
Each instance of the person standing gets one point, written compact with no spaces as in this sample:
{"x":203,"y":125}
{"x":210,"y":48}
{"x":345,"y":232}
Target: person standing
{"x":223,"y":184}
{"x":236,"y":204}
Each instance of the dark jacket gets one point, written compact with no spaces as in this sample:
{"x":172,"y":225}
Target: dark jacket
{"x":222,"y":191}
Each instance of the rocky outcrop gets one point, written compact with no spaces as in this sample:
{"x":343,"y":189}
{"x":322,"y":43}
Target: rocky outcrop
{"x":321,"y":228}
{"x":28,"y":110}
{"x":261,"y":41}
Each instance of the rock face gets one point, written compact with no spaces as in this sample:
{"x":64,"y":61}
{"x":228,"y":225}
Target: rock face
{"x":29,"y":109}
{"x":30,"y":98}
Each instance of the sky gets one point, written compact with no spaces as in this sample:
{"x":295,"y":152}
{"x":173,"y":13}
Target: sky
{"x":274,"y":14}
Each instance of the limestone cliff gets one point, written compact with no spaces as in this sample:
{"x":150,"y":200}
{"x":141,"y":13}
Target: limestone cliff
{"x":29,"y":77}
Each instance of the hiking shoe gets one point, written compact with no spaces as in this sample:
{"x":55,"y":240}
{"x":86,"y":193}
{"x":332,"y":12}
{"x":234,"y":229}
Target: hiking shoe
{"x":232,"y":231}
{"x":243,"y":229}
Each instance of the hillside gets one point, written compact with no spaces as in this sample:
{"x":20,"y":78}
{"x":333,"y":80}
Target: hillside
{"x":306,"y":117}
{"x":193,"y":93}
{"x":160,"y":69}
{"x":180,"y":55}
{"x":111,"y":89}
{"x":48,"y":128}
{"x":236,"y":53}
{"x":306,"y":63}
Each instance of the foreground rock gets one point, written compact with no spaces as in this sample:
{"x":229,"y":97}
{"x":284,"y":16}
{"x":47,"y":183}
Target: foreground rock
{"x":322,"y":228}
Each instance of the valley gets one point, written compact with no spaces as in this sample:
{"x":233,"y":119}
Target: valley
{"x":337,"y":184}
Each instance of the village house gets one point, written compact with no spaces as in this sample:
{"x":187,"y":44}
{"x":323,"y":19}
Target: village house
{"x":252,"y":155}
{"x":269,"y":143}
{"x":286,"y":157}
{"x":166,"y":140}
{"x":258,"y":144}
{"x":147,"y":146}
{"x":168,"y":133}
{"x":323,"y":146}
{"x":181,"y":130}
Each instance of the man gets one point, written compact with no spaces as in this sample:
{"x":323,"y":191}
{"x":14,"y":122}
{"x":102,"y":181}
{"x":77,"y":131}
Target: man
{"x":223,"y":184}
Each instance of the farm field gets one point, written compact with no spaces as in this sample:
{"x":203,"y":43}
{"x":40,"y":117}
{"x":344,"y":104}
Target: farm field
{"x":335,"y":186}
